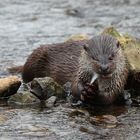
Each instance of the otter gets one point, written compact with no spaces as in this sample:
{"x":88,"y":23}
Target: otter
{"x":104,"y":57}
{"x":78,"y":62}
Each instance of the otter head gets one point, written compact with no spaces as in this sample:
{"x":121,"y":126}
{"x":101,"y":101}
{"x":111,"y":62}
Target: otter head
{"x":103,"y":54}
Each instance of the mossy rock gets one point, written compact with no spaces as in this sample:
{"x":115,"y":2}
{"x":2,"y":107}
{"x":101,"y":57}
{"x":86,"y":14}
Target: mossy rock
{"x":23,"y":98}
{"x":44,"y":88}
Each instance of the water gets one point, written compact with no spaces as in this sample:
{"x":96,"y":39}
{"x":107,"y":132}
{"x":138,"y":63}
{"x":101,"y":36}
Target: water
{"x":24,"y":25}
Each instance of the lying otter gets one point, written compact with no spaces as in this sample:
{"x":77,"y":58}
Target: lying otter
{"x":78,"y":62}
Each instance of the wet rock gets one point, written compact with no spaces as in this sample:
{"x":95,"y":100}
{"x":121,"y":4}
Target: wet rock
{"x":67,"y":88}
{"x":107,"y":121}
{"x":78,"y":112}
{"x":23,"y":98}
{"x":9,"y":86}
{"x":126,"y":98}
{"x":136,"y":101}
{"x":51,"y":101}
{"x":133,"y":55}
{"x":37,"y":131}
{"x":44,"y":88}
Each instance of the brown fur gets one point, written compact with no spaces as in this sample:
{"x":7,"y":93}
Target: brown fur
{"x":96,"y":56}
{"x":70,"y":62}
{"x":59,"y":61}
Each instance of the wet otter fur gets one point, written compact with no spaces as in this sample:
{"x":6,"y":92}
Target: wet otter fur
{"x":103,"y":56}
{"x":59,"y":61}
{"x":77,"y":62}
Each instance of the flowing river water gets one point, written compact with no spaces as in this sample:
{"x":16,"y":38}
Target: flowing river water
{"x":24,"y":25}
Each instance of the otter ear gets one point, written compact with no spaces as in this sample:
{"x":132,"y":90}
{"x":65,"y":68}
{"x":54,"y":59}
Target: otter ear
{"x":118,"y":44}
{"x":86,"y":47}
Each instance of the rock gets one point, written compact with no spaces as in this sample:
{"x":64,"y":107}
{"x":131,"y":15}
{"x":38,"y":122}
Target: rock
{"x":78,"y":37}
{"x":44,"y":88}
{"x":76,"y":12}
{"x":136,"y":101}
{"x":67,"y":88}
{"x":132,"y":51}
{"x":51,"y":101}
{"x":23,"y":98}
{"x":107,"y":121}
{"x":9,"y":86}
{"x":79,"y":112}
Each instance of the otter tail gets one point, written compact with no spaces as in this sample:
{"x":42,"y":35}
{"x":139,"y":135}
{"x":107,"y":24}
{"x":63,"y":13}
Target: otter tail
{"x":16,"y":69}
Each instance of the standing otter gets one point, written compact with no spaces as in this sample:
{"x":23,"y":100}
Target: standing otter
{"x":78,"y":62}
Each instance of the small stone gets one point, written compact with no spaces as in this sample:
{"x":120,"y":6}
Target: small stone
{"x":77,"y":12}
{"x":136,"y":101}
{"x":79,"y":112}
{"x":51,"y":101}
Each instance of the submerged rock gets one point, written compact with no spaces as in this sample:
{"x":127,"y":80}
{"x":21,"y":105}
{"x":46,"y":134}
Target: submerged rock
{"x":9,"y":86}
{"x":136,"y":101}
{"x":23,"y":98}
{"x":107,"y":121}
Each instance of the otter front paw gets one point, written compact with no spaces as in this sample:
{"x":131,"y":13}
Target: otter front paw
{"x":89,"y":92}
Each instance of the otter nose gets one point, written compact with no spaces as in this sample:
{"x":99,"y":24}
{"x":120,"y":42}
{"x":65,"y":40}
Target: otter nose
{"x":104,"y":68}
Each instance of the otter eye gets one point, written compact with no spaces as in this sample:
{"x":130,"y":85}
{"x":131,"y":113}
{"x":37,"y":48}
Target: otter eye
{"x":111,"y":57}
